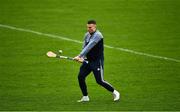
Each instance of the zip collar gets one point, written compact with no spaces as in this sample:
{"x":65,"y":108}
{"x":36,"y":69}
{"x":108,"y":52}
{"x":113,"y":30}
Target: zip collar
{"x":92,"y":32}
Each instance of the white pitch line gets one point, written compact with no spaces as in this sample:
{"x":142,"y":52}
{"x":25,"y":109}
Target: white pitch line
{"x":77,"y":41}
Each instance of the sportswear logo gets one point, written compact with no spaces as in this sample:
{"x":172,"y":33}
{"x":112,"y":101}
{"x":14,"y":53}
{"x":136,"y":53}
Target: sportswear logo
{"x":98,"y":69}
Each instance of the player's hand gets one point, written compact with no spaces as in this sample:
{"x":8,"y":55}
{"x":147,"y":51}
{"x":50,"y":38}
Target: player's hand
{"x":79,"y":59}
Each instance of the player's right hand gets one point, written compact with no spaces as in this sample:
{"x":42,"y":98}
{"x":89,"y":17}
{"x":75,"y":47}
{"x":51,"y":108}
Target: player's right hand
{"x":79,"y":59}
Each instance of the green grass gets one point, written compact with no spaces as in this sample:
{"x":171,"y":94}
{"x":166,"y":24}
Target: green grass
{"x":31,"y":81}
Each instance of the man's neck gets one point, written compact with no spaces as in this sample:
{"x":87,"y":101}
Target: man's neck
{"x":92,"y":32}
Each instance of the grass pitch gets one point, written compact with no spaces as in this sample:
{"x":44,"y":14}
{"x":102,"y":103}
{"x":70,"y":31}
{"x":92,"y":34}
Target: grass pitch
{"x":31,"y":81}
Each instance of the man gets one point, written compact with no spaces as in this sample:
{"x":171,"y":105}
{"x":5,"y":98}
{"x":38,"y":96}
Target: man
{"x":93,"y":50}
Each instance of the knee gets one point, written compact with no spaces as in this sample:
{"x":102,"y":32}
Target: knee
{"x":80,"y":77}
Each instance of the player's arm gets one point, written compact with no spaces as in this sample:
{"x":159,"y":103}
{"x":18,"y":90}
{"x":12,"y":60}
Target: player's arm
{"x":84,"y":43}
{"x":95,"y":39}
{"x":87,"y":48}
{"x":77,"y":58}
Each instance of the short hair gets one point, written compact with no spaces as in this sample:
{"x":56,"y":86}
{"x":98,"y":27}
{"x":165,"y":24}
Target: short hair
{"x":91,"y":22}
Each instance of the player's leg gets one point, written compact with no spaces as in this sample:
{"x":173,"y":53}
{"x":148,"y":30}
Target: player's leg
{"x":98,"y":74}
{"x":83,"y":73}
